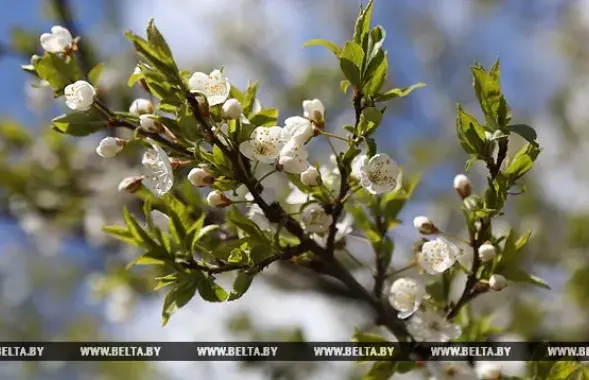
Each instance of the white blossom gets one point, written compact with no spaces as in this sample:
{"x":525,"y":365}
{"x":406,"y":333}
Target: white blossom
{"x":200,"y":177}
{"x":296,"y":195}
{"x":110,"y":147}
{"x":149,"y":123}
{"x":487,"y":252}
{"x":356,"y":166}
{"x":232,"y":109}
{"x":406,"y":295}
{"x":130,"y":184}
{"x":215,"y":86}
{"x":497,"y":282}
{"x":298,"y":128}
{"x":314,"y":110}
{"x":342,"y":230}
{"x":379,"y":174}
{"x":79,"y":96}
{"x":256,"y":215}
{"x":429,"y":326}
{"x":424,"y":225}
{"x":438,"y":255}
{"x":58,"y":41}
{"x":311,"y":177}
{"x":488,"y":370}
{"x":293,"y":158}
{"x":141,"y":107}
{"x":315,"y":219}
{"x":216,"y":198}
{"x":462,"y":185}
{"x":160,"y":176}
{"x":264,"y":144}
{"x":451,"y":371}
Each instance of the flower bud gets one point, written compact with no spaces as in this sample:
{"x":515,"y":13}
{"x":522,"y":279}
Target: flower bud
{"x":131,"y":184}
{"x":311,"y":177}
{"x":425,"y":226}
{"x":487,"y":252}
{"x":497,"y":282}
{"x":150,"y":124}
{"x":200,"y":177}
{"x":141,"y":107}
{"x":216,"y":198}
{"x":110,"y":146}
{"x":462,"y":185}
{"x":232,"y":109}
{"x":79,"y":96}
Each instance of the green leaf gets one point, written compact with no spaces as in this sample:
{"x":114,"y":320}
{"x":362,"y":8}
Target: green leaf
{"x":56,"y":71}
{"x":519,"y":275}
{"x":370,"y":119}
{"x":235,"y":217}
{"x":568,"y":370}
{"x":344,"y":85}
{"x":327,"y":44}
{"x":397,"y":92}
{"x":377,"y":72}
{"x":249,"y":98}
{"x":487,"y":87}
{"x":210,"y":291}
{"x":470,"y":133}
{"x":159,"y":44}
{"x":79,"y":123}
{"x":364,"y":337}
{"x":138,"y":233}
{"x":381,"y":371}
{"x":351,"y":60}
{"x":524,"y":131}
{"x":522,"y":162}
{"x":121,"y":233}
{"x":241,"y":284}
{"x":177,"y":298}
{"x":265,"y":118}
{"x":362,"y":26}
{"x":94,"y":74}
{"x":496,"y":194}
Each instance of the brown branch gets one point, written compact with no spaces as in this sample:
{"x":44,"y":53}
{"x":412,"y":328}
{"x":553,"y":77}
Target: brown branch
{"x":344,"y":186}
{"x":287,"y":254}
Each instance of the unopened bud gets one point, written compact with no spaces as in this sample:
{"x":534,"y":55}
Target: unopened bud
{"x":110,"y":146}
{"x":200,"y":177}
{"x":141,"y":107}
{"x":487,"y":252}
{"x":150,"y":124}
{"x":216,"y":198}
{"x":232,"y":109}
{"x":497,"y":282}
{"x":130,"y":184}
{"x":425,"y":226}
{"x":462,"y":185}
{"x":311,"y":177}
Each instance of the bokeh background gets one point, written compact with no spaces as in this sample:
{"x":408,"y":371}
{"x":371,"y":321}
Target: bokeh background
{"x":62,"y":278}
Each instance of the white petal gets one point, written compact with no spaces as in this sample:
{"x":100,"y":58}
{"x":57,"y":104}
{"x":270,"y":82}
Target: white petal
{"x":62,"y":32}
{"x":247,"y":150}
{"x":198,"y":81}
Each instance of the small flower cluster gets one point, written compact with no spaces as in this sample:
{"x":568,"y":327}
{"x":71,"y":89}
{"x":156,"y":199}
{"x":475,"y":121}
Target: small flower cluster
{"x":435,"y":257}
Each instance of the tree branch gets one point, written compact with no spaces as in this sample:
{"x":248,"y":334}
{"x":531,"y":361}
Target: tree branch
{"x":471,"y":289}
